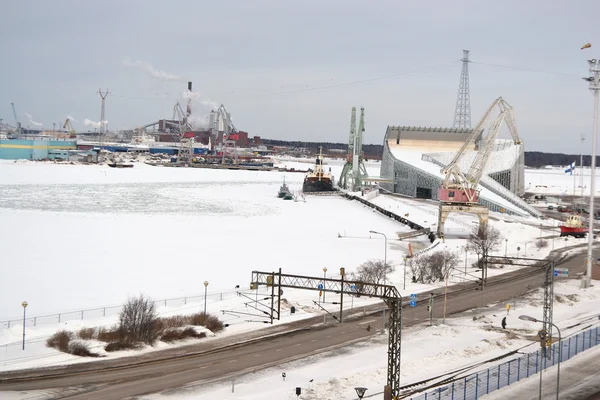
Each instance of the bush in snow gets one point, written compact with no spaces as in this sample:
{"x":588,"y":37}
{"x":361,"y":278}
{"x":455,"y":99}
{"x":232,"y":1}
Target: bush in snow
{"x":60,"y":340}
{"x":429,"y":268}
{"x":137,"y":320}
{"x":86,"y":333}
{"x":79,"y":348}
{"x":108,"y":335}
{"x":540,"y":244}
{"x":484,"y":239}
{"x":115,"y":346}
{"x":173,"y":334}
{"x":373,"y":271}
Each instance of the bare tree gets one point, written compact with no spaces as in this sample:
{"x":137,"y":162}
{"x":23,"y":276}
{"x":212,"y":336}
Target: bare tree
{"x":374,"y":271}
{"x":429,"y":268}
{"x":137,"y":320}
{"x":483,"y":240}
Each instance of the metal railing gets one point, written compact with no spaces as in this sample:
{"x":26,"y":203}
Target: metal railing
{"x":107,"y":311}
{"x":494,"y":378}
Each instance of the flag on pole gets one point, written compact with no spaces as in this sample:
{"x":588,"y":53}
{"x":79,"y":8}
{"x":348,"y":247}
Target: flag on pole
{"x":570,"y":168}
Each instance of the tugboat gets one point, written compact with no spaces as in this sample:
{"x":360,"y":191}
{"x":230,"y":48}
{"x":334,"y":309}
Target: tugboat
{"x":573,"y":226}
{"x":283,"y":190}
{"x":318,"y":180}
{"x":120,"y":164}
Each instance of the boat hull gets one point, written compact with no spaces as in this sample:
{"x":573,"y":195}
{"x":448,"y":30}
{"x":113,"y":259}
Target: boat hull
{"x":570,"y":231}
{"x":313,"y":186}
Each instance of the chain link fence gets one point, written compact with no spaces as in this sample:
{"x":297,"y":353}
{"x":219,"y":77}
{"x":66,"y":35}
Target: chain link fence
{"x":483,"y":382}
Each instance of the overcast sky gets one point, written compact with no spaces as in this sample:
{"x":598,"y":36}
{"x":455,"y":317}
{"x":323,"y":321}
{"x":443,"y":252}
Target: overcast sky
{"x":293,"y":69}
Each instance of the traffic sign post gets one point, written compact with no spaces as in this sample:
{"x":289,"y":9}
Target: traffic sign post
{"x":561,"y":272}
{"x":413,"y":300}
{"x":320,"y":287}
{"x":430,"y":309}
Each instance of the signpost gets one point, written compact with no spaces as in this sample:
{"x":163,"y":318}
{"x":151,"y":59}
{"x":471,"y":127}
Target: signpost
{"x":561,"y":272}
{"x":413,"y":300}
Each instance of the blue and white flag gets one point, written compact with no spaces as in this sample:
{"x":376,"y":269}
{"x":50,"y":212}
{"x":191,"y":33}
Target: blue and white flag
{"x":570,"y":168}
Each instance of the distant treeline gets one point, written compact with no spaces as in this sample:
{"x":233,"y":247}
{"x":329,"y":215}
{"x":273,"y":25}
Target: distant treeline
{"x":534,"y":159}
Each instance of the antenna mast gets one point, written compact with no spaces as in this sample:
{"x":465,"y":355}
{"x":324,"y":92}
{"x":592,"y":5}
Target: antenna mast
{"x":462,"y":113}
{"x":102,"y":120}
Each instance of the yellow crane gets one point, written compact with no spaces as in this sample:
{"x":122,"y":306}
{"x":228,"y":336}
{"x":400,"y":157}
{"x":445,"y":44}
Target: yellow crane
{"x":67,"y":125}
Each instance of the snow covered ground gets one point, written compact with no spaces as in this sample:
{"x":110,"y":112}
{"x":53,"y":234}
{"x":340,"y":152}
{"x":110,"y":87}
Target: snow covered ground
{"x":108,"y":233}
{"x":554,"y":181}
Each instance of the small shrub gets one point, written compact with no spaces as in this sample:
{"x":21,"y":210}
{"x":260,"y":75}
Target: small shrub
{"x":173,"y":334}
{"x":110,"y":335}
{"x":86,"y":333}
{"x":138,"y":320}
{"x":214,"y":324}
{"x":82,"y":349}
{"x":540,"y":244}
{"x":198,"y":319}
{"x":116,"y":346}
{"x":60,"y":340}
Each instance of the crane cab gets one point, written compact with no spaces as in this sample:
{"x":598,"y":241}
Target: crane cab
{"x":459,"y":196}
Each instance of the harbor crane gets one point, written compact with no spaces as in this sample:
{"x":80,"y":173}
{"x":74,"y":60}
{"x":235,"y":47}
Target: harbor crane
{"x":459,"y":190}
{"x":67,"y":125}
{"x":19,"y":127}
{"x":354,"y":171}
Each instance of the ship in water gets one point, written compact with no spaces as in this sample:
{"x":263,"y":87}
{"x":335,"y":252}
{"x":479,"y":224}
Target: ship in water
{"x":317,"y":180}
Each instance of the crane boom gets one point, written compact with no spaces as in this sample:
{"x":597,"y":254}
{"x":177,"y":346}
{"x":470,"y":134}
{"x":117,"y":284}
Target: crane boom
{"x":461,"y":188}
{"x":19,"y":129}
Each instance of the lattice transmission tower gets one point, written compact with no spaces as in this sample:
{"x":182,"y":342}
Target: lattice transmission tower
{"x":462,"y":113}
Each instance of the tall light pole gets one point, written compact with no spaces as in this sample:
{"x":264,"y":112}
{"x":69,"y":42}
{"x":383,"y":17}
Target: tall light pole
{"x":384,"y":255}
{"x":594,"y":81}
{"x":466,"y":249}
{"x":205,"y":290}
{"x":324,"y":278}
{"x":24,"y":304}
{"x":531,"y":319}
{"x":505,"y":246}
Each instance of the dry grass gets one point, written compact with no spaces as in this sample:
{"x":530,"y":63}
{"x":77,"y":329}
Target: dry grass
{"x":116,"y":346}
{"x":86,"y":333}
{"x":173,"y":334}
{"x":60,"y":341}
{"x":108,"y":335}
{"x":82,"y":349}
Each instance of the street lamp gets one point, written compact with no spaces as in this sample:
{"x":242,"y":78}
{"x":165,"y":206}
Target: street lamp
{"x":531,"y":319}
{"x":360,"y":391}
{"x":24,"y":304}
{"x":505,"y":246}
{"x":324,"y":278}
{"x":594,"y":81}
{"x":205,"y":289}
{"x":384,"y":255}
{"x":466,"y":249}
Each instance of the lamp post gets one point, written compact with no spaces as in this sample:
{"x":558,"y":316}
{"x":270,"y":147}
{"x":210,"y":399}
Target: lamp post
{"x":594,"y":81}
{"x":505,"y":246}
{"x":24,"y":304}
{"x":531,"y":319}
{"x":404,"y":281}
{"x":466,"y":249}
{"x":360,"y":391}
{"x":205,"y":290}
{"x":324,"y":277}
{"x":384,"y":255}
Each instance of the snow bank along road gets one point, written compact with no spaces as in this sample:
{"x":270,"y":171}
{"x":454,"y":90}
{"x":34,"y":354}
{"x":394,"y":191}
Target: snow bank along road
{"x":155,"y":372}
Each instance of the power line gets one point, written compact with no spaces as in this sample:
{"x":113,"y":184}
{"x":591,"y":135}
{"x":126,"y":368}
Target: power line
{"x":525,"y":69}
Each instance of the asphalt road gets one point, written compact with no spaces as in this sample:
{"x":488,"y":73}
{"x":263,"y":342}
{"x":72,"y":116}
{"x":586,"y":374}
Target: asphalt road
{"x":220,"y":359}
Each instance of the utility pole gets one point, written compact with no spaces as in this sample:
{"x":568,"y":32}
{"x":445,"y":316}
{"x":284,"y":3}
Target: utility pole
{"x":581,"y":171}
{"x":102,"y":109}
{"x":462,"y":113}
{"x":594,"y":80}
{"x":430,"y":309}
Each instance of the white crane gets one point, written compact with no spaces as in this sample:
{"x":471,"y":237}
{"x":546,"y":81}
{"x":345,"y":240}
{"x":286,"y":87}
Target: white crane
{"x":19,"y":128}
{"x":461,"y":188}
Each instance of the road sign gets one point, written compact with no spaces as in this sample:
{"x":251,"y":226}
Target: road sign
{"x":561,"y":272}
{"x":353,"y":288}
{"x":413,"y":299}
{"x":320,"y":286}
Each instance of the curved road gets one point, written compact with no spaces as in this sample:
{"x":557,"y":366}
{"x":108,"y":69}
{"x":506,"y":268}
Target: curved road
{"x":220,"y":359}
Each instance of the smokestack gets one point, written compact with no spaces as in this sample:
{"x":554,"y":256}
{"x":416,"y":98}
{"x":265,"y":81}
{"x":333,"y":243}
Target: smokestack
{"x":190,"y":86}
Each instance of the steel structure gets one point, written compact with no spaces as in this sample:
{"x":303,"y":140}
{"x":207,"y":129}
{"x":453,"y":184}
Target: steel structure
{"x":354,"y":171}
{"x":388,"y":293}
{"x":184,"y":129}
{"x":102,"y":110}
{"x":462,"y":113}
{"x":548,"y":267}
{"x":67,"y":125}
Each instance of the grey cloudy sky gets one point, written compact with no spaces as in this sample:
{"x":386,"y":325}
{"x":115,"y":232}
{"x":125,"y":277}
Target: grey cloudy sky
{"x":282,"y":67}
